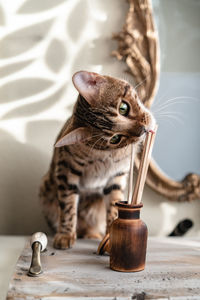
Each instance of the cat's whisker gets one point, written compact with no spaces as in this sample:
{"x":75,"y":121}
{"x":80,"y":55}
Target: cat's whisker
{"x":93,"y":136}
{"x":94,"y":145}
{"x":97,"y":135}
{"x":97,"y":141}
{"x":125,"y":148}
{"x":183,"y":97}
{"x":175,"y":113}
{"x":165,"y":105}
{"x":103,"y":140}
{"x":90,"y":138}
{"x":158,"y":99}
{"x":169,"y":121}
{"x":112,"y":152}
{"x":170,"y":102}
{"x":140,"y":83}
{"x":174,"y":117}
{"x":128,"y":78}
{"x":163,"y":109}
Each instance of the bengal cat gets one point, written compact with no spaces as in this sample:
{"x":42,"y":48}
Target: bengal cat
{"x":92,"y":157}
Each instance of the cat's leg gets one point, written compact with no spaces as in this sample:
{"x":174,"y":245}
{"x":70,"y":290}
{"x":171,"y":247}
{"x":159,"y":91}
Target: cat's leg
{"x":68,"y":197}
{"x":91,"y":217}
{"x":48,"y":201}
{"x":114,"y":192}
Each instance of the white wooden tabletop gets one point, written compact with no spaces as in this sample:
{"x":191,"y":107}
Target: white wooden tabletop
{"x":172,"y":272}
{"x":10,"y":249}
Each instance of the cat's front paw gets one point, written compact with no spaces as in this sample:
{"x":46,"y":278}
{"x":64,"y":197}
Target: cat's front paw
{"x":64,"y":240}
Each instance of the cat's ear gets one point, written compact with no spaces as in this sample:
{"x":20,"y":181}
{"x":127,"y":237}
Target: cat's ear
{"x":75,"y":136}
{"x":88,"y":85}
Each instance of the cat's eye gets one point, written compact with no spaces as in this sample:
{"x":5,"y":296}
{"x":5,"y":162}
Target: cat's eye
{"x":124,"y":109}
{"x":115,"y":139}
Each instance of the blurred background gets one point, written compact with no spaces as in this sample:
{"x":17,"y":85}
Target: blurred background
{"x":42,"y":44}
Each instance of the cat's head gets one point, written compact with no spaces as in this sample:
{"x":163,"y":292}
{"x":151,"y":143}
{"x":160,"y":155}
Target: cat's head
{"x":108,"y":113}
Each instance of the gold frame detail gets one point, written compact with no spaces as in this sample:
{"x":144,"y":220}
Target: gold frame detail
{"x":138,"y":46}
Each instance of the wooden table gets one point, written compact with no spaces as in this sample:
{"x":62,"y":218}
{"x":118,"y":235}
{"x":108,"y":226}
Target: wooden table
{"x":172,"y":272}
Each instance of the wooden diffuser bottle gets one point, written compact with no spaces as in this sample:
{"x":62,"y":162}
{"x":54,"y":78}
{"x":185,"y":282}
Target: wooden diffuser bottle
{"x":127,"y":241}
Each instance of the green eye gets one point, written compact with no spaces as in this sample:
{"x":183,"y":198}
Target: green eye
{"x":115,"y":139}
{"x":124,"y":108}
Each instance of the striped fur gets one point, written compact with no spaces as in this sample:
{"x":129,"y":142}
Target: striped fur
{"x":88,"y":174}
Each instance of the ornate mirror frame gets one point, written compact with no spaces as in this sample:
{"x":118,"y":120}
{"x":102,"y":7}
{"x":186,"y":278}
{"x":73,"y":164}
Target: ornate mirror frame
{"x":138,"y":46}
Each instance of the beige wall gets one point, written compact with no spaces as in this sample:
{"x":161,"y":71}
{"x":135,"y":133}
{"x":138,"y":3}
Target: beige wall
{"x":42,"y":44}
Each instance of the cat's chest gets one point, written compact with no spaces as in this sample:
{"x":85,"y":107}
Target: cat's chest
{"x":98,"y":172}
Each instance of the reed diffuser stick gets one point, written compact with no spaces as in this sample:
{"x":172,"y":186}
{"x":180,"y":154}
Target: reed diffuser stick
{"x":131,"y":171}
{"x":143,"y":179}
{"x":143,"y":168}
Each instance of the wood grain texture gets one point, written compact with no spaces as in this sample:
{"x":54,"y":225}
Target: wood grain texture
{"x":172,"y":270}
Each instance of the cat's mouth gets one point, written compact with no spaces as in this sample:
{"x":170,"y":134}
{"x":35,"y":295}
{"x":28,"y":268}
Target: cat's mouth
{"x":141,"y":131}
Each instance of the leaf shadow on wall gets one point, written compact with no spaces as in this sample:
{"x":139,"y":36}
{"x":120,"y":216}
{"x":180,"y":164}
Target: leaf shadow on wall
{"x":22,"y":88}
{"x":56,"y":55}
{"x":14,"y":67}
{"x":31,"y":109}
{"x":32,"y":6}
{"x":22,"y":40}
{"x":2,"y":17}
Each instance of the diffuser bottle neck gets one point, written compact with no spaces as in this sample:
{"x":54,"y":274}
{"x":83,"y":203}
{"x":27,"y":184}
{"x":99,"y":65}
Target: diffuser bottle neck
{"x":128,"y":211}
{"x":128,"y":214}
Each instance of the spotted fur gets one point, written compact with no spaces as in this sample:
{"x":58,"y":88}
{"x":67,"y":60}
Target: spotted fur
{"x":88,"y":174}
